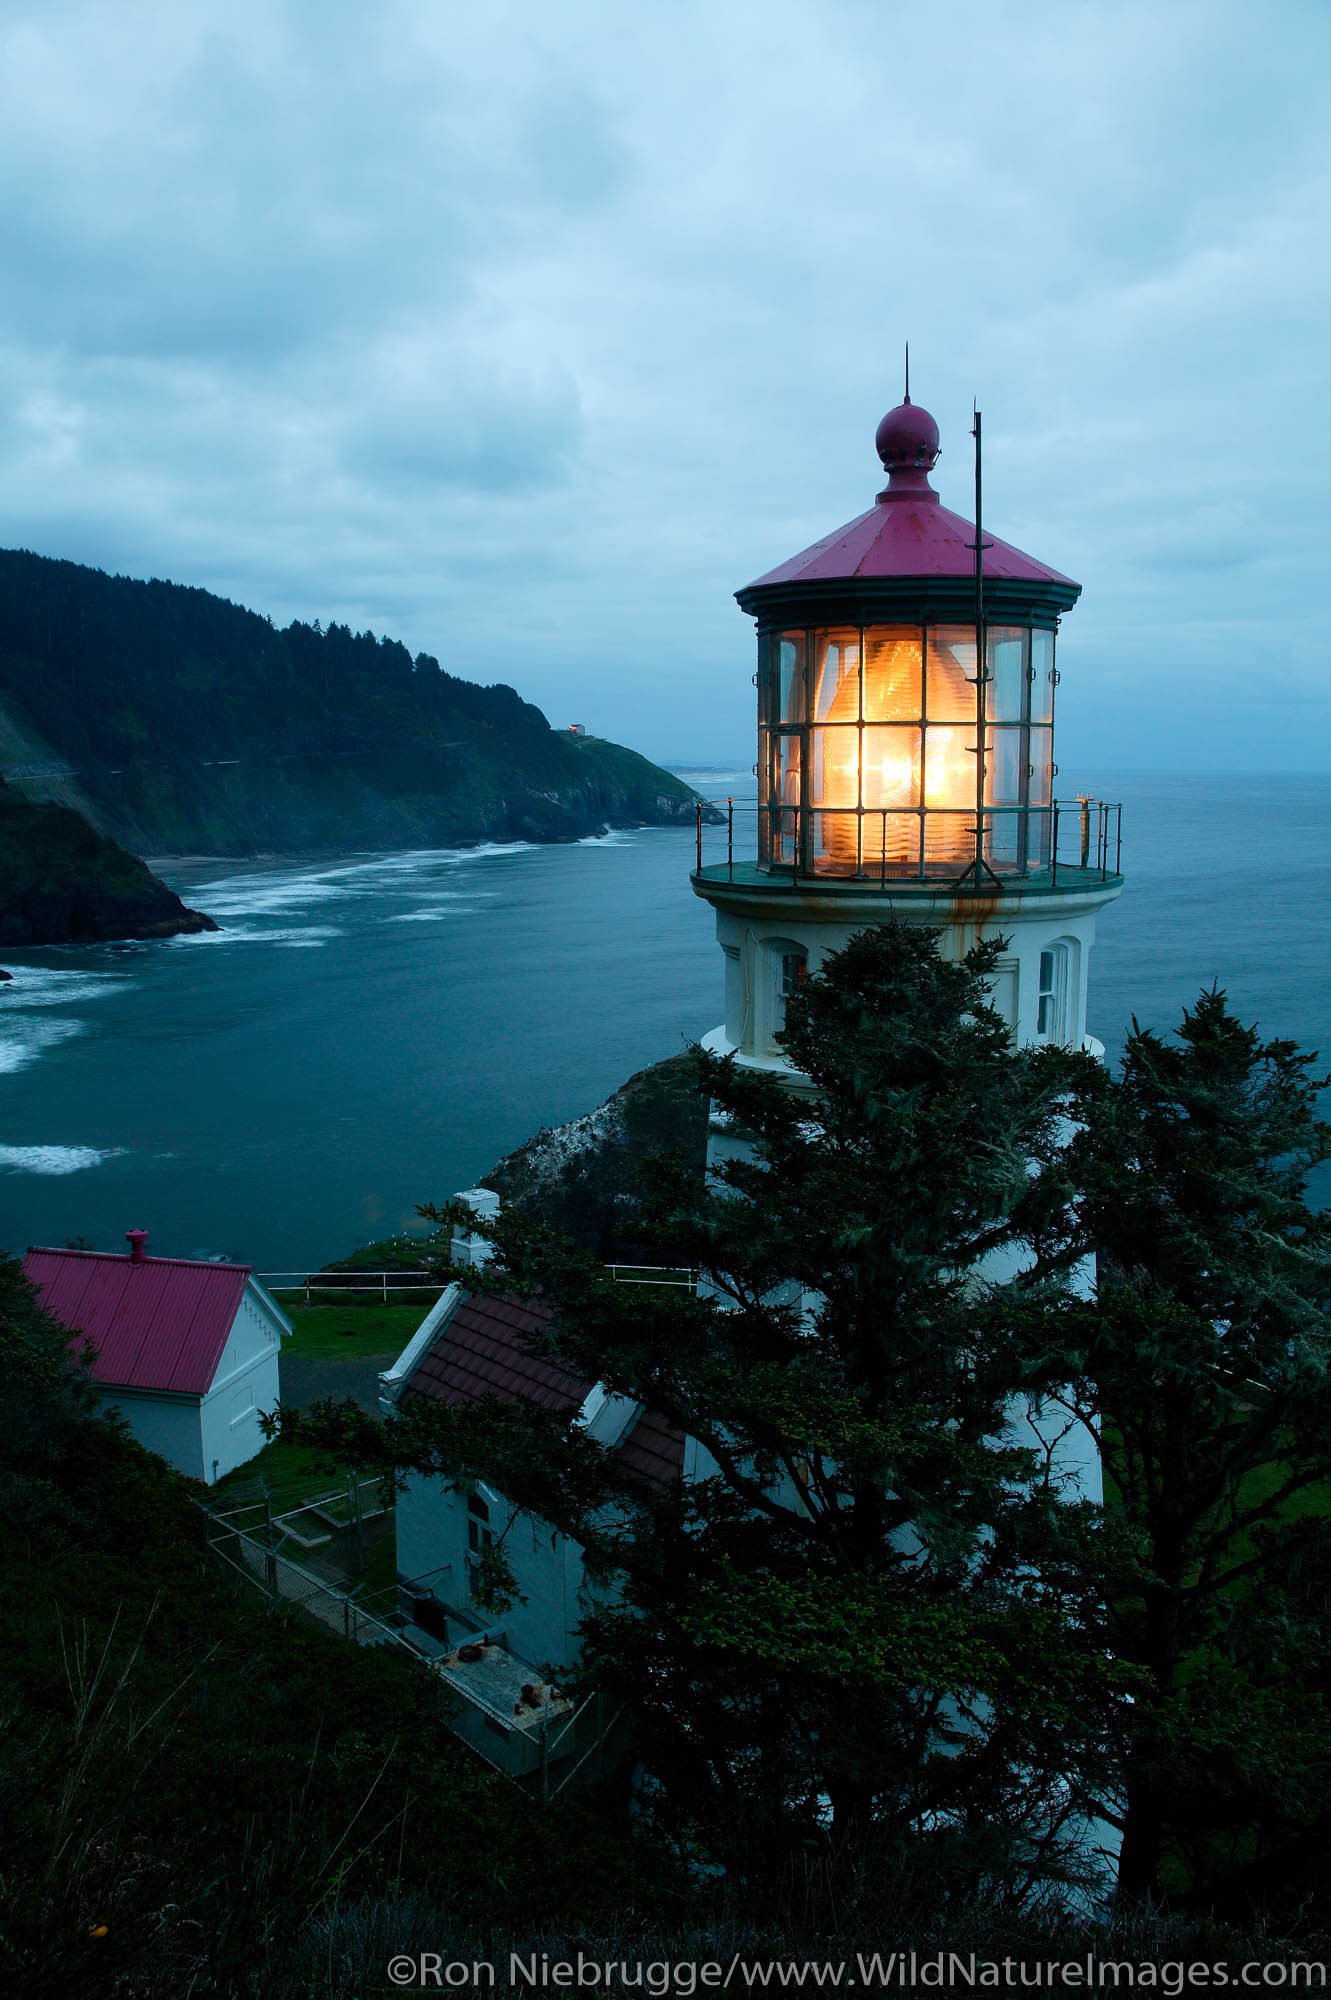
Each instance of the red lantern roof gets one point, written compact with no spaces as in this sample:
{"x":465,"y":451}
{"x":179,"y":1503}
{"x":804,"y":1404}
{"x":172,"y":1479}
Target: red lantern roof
{"x":908,"y":532}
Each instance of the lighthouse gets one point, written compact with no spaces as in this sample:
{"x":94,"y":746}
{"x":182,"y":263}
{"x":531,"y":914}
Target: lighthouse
{"x":907,"y":673}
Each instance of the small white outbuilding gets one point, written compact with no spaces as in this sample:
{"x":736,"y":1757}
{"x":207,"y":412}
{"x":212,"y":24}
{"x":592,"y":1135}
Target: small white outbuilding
{"x":186,"y":1351}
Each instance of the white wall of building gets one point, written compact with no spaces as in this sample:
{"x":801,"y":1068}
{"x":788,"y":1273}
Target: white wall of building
{"x":246,"y":1382}
{"x":168,"y":1425}
{"x":757,"y":933}
{"x":434,"y":1536}
{"x":1047,"y":933}
{"x":207,"y":1436}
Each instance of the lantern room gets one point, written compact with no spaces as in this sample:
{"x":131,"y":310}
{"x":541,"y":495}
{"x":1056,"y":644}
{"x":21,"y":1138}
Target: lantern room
{"x":907,"y":674}
{"x":892,"y":746}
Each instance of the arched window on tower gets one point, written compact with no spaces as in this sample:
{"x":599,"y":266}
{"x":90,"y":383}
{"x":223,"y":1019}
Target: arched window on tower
{"x":1053,"y":1020}
{"x":788,"y":968}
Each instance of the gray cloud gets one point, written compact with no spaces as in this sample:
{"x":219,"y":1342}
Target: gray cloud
{"x":529,"y":335}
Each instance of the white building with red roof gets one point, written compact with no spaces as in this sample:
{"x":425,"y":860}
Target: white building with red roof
{"x":186,"y":1351}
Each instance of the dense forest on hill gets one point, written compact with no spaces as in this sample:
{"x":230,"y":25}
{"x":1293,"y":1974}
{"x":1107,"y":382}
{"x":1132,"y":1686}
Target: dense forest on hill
{"x":183,"y":722}
{"x":63,"y":883}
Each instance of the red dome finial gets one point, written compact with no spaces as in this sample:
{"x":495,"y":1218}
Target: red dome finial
{"x":907,"y":443}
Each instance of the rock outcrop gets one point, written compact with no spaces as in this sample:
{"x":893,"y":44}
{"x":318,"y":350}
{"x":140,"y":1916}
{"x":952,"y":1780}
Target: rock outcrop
{"x":583,"y":1177}
{"x":63,"y":883}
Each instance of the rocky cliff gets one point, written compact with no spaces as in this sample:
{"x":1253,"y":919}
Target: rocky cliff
{"x":583,"y":1177}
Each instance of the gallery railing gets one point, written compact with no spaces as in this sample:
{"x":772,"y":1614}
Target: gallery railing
{"x":882,"y":846}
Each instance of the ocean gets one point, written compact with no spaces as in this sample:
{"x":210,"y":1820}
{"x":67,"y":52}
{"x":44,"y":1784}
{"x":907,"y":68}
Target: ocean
{"x":375,"y":1031}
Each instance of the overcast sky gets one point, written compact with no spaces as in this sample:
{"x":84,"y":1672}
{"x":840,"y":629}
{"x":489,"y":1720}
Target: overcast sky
{"x":526,"y":333}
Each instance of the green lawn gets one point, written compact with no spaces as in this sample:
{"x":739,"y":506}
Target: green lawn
{"x":355,"y":1333}
{"x":287,"y":1471}
{"x":376,"y":1586}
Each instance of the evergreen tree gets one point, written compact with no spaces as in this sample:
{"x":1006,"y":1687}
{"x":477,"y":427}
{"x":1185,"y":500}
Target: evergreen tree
{"x":1203,"y":1365}
{"x":46,"y":1397}
{"x":865,"y":1628}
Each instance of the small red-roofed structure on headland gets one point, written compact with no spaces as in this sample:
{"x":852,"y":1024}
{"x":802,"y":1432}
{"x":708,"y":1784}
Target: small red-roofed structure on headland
{"x":186,"y":1351}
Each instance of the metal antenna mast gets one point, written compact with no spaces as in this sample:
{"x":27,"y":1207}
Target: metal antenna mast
{"x":979,"y":874}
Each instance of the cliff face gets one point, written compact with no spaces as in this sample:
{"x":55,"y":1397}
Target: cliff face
{"x":63,"y":883}
{"x":182,"y":723}
{"x":583,"y":1177}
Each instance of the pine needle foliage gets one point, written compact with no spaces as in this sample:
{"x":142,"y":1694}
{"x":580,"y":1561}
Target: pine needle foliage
{"x":1203,"y":1365}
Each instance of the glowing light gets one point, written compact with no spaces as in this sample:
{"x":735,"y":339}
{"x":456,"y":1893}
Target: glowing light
{"x":875,"y":760}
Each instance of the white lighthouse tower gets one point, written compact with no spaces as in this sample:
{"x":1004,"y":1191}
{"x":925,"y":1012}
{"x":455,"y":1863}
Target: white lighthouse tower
{"x":906,"y":680}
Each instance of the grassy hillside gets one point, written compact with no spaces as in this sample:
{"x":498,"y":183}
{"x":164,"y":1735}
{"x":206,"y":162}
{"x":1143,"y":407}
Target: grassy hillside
{"x":191,"y":724}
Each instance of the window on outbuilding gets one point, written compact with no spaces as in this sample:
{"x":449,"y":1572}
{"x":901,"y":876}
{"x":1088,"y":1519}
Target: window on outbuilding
{"x":480,"y":1535}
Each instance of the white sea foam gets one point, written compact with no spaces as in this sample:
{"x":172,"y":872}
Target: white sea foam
{"x":615,"y":837}
{"x":278,"y":891}
{"x":423,"y":916}
{"x":262,"y":895}
{"x":23,"y":1040}
{"x":54,"y":1159}
{"x":303,"y":936}
{"x":489,"y":848}
{"x":49,"y":986}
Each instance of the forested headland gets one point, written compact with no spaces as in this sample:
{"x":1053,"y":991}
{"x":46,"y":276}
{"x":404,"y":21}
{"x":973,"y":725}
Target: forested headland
{"x":182,"y":723}
{"x":62,"y":882}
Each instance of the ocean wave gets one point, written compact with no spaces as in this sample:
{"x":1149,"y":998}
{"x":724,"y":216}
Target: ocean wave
{"x":48,"y":986}
{"x":25,"y":1040}
{"x":617,"y":836}
{"x":302,"y":936}
{"x":489,"y":848}
{"x":54,"y":1159}
{"x":258,"y":896}
{"x":275,"y":892}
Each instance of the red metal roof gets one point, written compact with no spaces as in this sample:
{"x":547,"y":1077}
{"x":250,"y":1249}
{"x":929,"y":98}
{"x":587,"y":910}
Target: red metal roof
{"x":907,"y":531}
{"x":485,"y":1348}
{"x":908,"y":537}
{"x":159,"y":1323}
